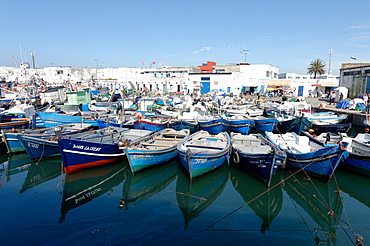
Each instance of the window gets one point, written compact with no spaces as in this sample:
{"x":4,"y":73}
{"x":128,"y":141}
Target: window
{"x":267,"y":73}
{"x":205,"y":79}
{"x":351,"y":73}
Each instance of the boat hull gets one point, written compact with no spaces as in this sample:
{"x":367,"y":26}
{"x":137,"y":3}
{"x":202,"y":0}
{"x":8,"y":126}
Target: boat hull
{"x":143,"y":159}
{"x":213,"y":126}
{"x":77,"y":155}
{"x":341,"y":128}
{"x":38,"y":148}
{"x":179,"y":125}
{"x":296,"y":125}
{"x":241,"y":126}
{"x":198,"y":162}
{"x":265,"y":125}
{"x":358,"y":163}
{"x":321,"y":163}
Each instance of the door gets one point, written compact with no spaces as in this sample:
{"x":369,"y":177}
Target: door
{"x":300,"y":91}
{"x":206,"y":87}
{"x":367,"y":85}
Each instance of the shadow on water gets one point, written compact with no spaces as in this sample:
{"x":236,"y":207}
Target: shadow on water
{"x":82,"y":187}
{"x":355,"y":185}
{"x":39,"y":172}
{"x":321,"y":201}
{"x":17,"y":164}
{"x":268,"y":205}
{"x":194,"y":197}
{"x":143,"y":185}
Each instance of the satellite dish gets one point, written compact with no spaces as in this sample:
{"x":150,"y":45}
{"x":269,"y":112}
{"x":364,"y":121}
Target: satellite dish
{"x":25,"y":65}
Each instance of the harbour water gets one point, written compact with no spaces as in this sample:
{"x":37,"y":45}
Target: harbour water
{"x":110,"y":206}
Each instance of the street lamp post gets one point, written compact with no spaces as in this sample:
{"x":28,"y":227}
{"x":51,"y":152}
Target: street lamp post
{"x":97,"y":65}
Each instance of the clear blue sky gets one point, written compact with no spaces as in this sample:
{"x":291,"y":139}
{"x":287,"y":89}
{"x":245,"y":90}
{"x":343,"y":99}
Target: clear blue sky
{"x":288,"y":34}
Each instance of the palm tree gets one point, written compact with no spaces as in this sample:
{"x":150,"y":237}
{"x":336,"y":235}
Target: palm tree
{"x":316,"y":67}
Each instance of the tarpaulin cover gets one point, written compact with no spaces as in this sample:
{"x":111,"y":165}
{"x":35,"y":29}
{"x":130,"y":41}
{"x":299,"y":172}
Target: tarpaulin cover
{"x":343,"y":104}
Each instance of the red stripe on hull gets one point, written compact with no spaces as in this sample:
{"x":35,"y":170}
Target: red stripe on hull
{"x":75,"y":168}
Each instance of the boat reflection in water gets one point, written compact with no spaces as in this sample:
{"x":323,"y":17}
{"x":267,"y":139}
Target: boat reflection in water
{"x":39,"y":172}
{"x":321,"y":201}
{"x":268,"y":205}
{"x":355,"y":185}
{"x":82,"y":187}
{"x":17,"y":164}
{"x":194,"y":197}
{"x":143,"y":185}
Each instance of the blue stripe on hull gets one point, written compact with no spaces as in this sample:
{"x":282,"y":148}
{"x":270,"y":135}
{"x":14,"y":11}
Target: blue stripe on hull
{"x":260,"y":165}
{"x":321,"y":163}
{"x":139,"y":160}
{"x":199,"y":164}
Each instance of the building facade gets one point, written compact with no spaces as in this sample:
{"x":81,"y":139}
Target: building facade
{"x":355,"y":77}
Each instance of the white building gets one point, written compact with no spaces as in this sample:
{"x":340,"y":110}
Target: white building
{"x":231,"y":78}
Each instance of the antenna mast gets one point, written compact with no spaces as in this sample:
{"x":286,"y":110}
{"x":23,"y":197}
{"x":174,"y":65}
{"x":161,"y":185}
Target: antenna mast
{"x":15,"y":61}
{"x":33,"y":59}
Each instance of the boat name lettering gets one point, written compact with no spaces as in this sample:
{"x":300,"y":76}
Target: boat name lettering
{"x":92,"y":148}
{"x":33,"y":145}
{"x":200,"y":161}
{"x":83,"y":147}
{"x":87,"y":195}
{"x":91,"y":193}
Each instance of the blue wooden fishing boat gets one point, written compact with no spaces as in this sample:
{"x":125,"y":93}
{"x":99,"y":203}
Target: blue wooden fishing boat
{"x":315,"y":158}
{"x":14,"y":145}
{"x":359,"y":153}
{"x":255,"y":154}
{"x":55,"y":119}
{"x":203,"y":152}
{"x":319,"y":128}
{"x":16,"y":123}
{"x":180,"y":124}
{"x":213,"y":125}
{"x":264,"y":124}
{"x":152,"y":123}
{"x":155,"y":149}
{"x":239,"y":123}
{"x":100,"y":148}
{"x":288,"y":123}
{"x":39,"y":148}
{"x":358,"y":149}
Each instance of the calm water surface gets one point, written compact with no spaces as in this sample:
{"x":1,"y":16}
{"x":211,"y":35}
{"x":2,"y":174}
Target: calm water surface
{"x":110,"y":206}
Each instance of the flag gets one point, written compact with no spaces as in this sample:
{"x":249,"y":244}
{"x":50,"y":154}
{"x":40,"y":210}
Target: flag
{"x":153,"y":62}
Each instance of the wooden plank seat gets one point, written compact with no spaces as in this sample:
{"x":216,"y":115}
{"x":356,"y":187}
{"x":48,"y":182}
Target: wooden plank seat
{"x":168,"y":139}
{"x":154,"y":144}
{"x":204,"y":146}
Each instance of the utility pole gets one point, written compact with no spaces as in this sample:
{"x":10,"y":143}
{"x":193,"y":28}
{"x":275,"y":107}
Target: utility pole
{"x":329,"y":68}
